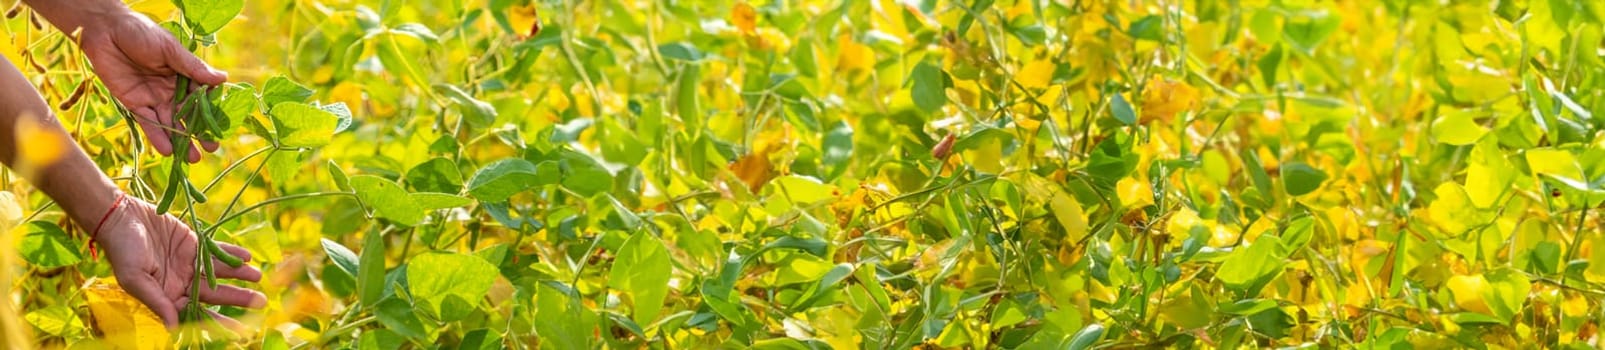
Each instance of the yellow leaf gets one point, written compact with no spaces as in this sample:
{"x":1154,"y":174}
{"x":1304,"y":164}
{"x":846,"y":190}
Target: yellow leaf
{"x":1554,"y":162}
{"x":754,"y":169}
{"x":348,"y":92}
{"x":154,"y":8}
{"x":1069,"y":214}
{"x":1596,"y":270}
{"x":744,"y":17}
{"x":1468,"y":291}
{"x":1163,"y":99}
{"x":323,"y":74}
{"x":1575,"y":306}
{"x":853,"y":56}
{"x":1036,"y":74}
{"x":525,"y":20}
{"x":1134,"y":193}
{"x":988,"y":157}
{"x":1181,"y":223}
{"x":126,"y":322}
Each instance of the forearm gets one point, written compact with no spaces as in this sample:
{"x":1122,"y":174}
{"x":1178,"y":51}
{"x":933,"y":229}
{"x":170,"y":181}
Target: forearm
{"x":69,"y":177}
{"x":69,"y":15}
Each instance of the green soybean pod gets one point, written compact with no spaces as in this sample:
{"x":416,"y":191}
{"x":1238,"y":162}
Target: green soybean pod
{"x":206,"y":261}
{"x":221,"y":255}
{"x":209,"y":115}
{"x":195,"y":194}
{"x":172,"y":188}
{"x":176,"y":177}
{"x":181,"y":89}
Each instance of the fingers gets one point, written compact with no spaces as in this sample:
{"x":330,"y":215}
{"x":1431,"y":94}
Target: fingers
{"x":194,"y":153}
{"x":164,"y":116}
{"x":209,"y":146}
{"x":227,"y":323}
{"x":154,"y":133}
{"x":144,"y":288}
{"x":187,"y":64}
{"x":233,"y":296}
{"x":236,"y":251}
{"x":245,"y":272}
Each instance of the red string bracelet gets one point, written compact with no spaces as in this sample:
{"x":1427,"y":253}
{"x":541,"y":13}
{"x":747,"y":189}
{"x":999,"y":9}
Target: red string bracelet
{"x":119,"y":202}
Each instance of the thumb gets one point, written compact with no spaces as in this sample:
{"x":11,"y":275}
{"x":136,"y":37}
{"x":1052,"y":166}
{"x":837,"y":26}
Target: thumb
{"x":184,"y":62}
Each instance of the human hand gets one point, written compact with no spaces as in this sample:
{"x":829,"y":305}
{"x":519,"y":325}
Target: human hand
{"x":153,"y":257}
{"x":139,"y":62}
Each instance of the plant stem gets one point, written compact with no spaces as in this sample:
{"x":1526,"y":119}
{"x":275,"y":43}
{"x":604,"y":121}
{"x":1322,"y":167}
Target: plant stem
{"x":235,"y":215}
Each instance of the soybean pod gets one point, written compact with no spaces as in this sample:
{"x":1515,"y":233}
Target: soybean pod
{"x":181,"y":90}
{"x":206,"y":262}
{"x":221,"y":255}
{"x":176,"y":178}
{"x":194,"y":193}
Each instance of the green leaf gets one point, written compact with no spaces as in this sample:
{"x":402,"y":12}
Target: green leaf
{"x":577,"y":326}
{"x":929,"y":90}
{"x":449,"y":285}
{"x":497,"y":181}
{"x":680,"y":51}
{"x":342,"y":256}
{"x":300,"y":125}
{"x":337,"y":282}
{"x":1256,"y":172}
{"x":1457,"y":129}
{"x":622,"y":145}
{"x":1248,"y":268}
{"x":399,"y":316}
{"x":341,"y":113}
{"x":339,"y":175}
{"x":281,"y":165}
{"x":279,"y":89}
{"x":642,"y":271}
{"x":373,"y":339}
{"x":1506,"y":293}
{"x":1008,"y":313}
{"x":1122,"y":110}
{"x":238,"y":102}
{"x":583,"y":174}
{"x":58,"y":320}
{"x":416,"y":30}
{"x":478,"y":113}
{"x":1268,"y":66}
{"x":207,"y":16}
{"x":1306,"y":30}
{"x":1298,"y":234}
{"x":371,"y":270}
{"x":1300,"y":178}
{"x":436,"y":175}
{"x":436,"y":200}
{"x":48,"y":246}
{"x":387,"y":199}
{"x":802,"y":57}
{"x":1151,"y":27}
{"x":481,"y":339}
{"x":391,"y":52}
{"x":1248,"y":306}
{"x":686,"y":97}
{"x":1085,"y":338}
